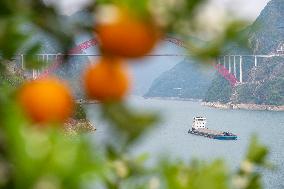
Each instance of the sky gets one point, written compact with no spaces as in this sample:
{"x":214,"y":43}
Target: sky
{"x":244,"y":8}
{"x":248,"y":9}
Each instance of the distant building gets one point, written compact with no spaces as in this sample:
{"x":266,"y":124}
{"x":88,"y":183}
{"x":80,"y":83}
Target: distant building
{"x":280,"y":49}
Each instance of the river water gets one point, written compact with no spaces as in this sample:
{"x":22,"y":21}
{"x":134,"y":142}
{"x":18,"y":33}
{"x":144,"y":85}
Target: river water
{"x":170,"y":135}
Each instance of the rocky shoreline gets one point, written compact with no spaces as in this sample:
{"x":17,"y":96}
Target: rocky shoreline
{"x":174,"y":98}
{"x":219,"y":105}
{"x":258,"y":107}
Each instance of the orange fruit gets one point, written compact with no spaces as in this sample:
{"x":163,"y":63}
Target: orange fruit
{"x":123,"y":34}
{"x":46,"y":100}
{"x":107,"y":80}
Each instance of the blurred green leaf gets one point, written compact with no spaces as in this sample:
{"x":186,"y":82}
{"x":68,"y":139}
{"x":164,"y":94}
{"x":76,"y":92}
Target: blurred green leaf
{"x":31,"y":61}
{"x":11,"y":39}
{"x":257,"y":152}
{"x":79,"y":112}
{"x":40,"y":154}
{"x":37,"y":156}
{"x":197,"y":175}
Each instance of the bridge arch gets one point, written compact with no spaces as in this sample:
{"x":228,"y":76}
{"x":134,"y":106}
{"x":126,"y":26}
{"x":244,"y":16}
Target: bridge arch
{"x":79,"y":51}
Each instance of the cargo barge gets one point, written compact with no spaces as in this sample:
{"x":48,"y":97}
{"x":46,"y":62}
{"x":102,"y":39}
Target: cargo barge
{"x":198,"y":128}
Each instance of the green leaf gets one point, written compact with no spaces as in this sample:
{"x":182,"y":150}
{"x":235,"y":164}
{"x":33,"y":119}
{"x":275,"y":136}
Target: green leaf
{"x":257,"y":152}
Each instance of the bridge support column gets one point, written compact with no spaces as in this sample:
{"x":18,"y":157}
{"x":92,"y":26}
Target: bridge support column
{"x":47,"y":59}
{"x":255,"y":61}
{"x":40,"y":58}
{"x":22,"y":62}
{"x":229,"y":64}
{"x":241,"y":69}
{"x":225,"y":61}
{"x":34,"y":74}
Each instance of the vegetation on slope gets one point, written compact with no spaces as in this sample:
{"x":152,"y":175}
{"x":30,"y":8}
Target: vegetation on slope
{"x":185,"y":80}
{"x":264,"y":83}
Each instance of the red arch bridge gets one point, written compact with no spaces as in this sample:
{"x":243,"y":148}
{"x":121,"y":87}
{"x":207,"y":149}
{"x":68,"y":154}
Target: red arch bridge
{"x":228,"y":66}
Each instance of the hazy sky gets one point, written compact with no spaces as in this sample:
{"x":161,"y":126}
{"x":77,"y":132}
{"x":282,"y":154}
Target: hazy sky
{"x":244,"y":8}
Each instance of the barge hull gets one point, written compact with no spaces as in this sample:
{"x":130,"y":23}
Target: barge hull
{"x":226,"y":137}
{"x":212,"y":134}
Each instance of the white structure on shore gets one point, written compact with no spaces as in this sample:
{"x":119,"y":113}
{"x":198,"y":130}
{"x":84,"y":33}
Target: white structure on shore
{"x":280,"y":49}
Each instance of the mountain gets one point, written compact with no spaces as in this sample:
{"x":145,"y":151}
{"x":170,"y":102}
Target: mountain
{"x":185,"y":80}
{"x":268,"y":30}
{"x":71,"y":70}
{"x":263,"y":84}
{"x":147,"y":69}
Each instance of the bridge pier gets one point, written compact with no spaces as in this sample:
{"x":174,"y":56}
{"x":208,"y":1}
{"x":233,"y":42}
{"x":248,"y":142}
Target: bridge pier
{"x":241,"y":69}
{"x":229,"y":64}
{"x":225,"y":61}
{"x":255,"y":61}
{"x":234,"y":64}
{"x":22,"y":61}
{"x":34,"y":74}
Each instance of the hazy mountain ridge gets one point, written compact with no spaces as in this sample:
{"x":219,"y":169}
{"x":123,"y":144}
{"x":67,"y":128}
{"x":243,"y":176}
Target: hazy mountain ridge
{"x":185,"y":80}
{"x":71,"y":70}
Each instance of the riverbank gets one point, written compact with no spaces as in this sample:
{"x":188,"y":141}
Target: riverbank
{"x":174,"y":98}
{"x":258,"y":107}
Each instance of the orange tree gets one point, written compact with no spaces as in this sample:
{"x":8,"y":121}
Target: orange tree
{"x":32,"y":156}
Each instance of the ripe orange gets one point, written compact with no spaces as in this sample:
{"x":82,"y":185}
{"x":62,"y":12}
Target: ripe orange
{"x":123,"y":34}
{"x":107,"y":80}
{"x":46,"y":100}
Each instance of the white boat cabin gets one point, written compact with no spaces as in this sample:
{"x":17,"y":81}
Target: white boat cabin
{"x":199,"y":123}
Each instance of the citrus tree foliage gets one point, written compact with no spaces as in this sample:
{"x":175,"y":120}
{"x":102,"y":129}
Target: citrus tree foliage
{"x":32,"y":156}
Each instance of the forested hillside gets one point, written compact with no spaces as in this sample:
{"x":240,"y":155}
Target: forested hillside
{"x":264,"y":84}
{"x":185,"y":80}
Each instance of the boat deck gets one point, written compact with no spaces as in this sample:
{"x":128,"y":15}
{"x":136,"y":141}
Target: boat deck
{"x":213,"y":134}
{"x":208,"y":131}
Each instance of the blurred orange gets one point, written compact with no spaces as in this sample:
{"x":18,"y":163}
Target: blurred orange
{"x":46,"y":100}
{"x":107,"y":80}
{"x":124,"y":34}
